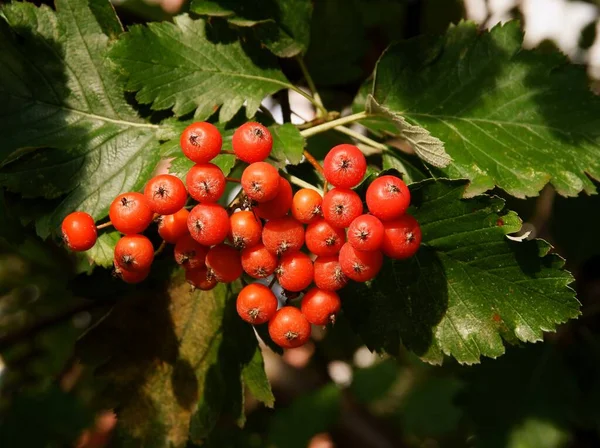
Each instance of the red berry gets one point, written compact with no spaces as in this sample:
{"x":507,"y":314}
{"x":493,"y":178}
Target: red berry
{"x":278,"y":206}
{"x":172,"y":227}
{"x":166,"y":194}
{"x":256,"y":304}
{"x":366,"y":233}
{"x":205,"y":182}
{"x":344,"y":166}
{"x":134,"y":253}
{"x":208,"y":224}
{"x":295,"y":271}
{"x":320,"y":307}
{"x":200,"y":279}
{"x":289,"y":328}
{"x":258,"y":262}
{"x":201,"y":142}
{"x":245,"y":229}
{"x":189,"y":253}
{"x":79,"y":231}
{"x":402,"y":237}
{"x":324,"y":239}
{"x":358,"y":265}
{"x":283,"y":235}
{"x":260,"y":181}
{"x":130,"y":213}
{"x":306,"y":205}
{"x":328,"y":273}
{"x":341,"y":206}
{"x":129,"y":276}
{"x":224,"y":263}
{"x":388,"y":198}
{"x":252,"y":142}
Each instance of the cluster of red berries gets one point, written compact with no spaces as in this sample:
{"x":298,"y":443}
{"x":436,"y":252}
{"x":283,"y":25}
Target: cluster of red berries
{"x":263,"y":238}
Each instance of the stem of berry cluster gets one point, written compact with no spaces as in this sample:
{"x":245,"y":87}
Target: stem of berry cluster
{"x":104,"y":226}
{"x":333,"y":124}
{"x":160,"y":248}
{"x":315,"y":163}
{"x":360,"y":137}
{"x":231,"y":179}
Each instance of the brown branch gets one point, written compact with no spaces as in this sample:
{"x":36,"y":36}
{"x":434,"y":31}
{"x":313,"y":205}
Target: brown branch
{"x":103,"y":226}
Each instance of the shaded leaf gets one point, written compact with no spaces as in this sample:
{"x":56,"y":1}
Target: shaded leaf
{"x":103,"y":251}
{"x":288,"y":145}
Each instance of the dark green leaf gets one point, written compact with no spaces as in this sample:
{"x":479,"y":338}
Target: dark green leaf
{"x":255,"y":379}
{"x":373,"y":383}
{"x":410,"y":170}
{"x":288,"y":144}
{"x":103,"y":251}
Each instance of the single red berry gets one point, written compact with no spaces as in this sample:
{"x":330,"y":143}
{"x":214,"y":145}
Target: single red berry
{"x":295,"y":271}
{"x":129,"y":276}
{"x":245,"y":229}
{"x":208,"y":224}
{"x":252,"y":142}
{"x":320,"y":307}
{"x":201,"y":142}
{"x":260,"y":181}
{"x":358,"y":265}
{"x":324,"y":239}
{"x":258,"y":262}
{"x":79,"y":231}
{"x":366,"y":233}
{"x":283,"y":235}
{"x":402,"y":237}
{"x":166,"y":194}
{"x":256,"y":304}
{"x":388,"y":197}
{"x":130,"y":213}
{"x":134,"y":253}
{"x":279,"y":205}
{"x":341,"y":206}
{"x":344,"y":166}
{"x":189,"y":253}
{"x":328,"y":273}
{"x":172,"y":227}
{"x":200,"y":279}
{"x":306,"y":205}
{"x":224,"y":263}
{"x":289,"y":328}
{"x":205,"y":182}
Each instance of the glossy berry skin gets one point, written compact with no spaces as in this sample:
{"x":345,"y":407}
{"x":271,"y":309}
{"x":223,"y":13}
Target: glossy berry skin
{"x":166,"y":194}
{"x":328,"y":273}
{"x":260,"y":181}
{"x":341,"y":206}
{"x":134,"y":253}
{"x":366,"y":233}
{"x":172,"y":227}
{"x":258,"y":262}
{"x":224,"y":263}
{"x":289,"y":328}
{"x":129,"y":276}
{"x":245,"y":229}
{"x":306,"y":205}
{"x":358,"y":265}
{"x":79,"y":231}
{"x":205,"y":182}
{"x":344,"y":166}
{"x":199,"y":278}
{"x":283,"y":235}
{"x":295,"y":271}
{"x":402,"y":238}
{"x":252,"y":142}
{"x":320,"y":307}
{"x":208,"y":224}
{"x":201,"y":142}
{"x":324,"y":239}
{"x":388,"y":198}
{"x":256,"y":304}
{"x":130,"y":213}
{"x":279,"y":206}
{"x":189,"y":253}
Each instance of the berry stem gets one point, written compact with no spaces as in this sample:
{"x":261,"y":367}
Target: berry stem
{"x":333,"y":124}
{"x":231,"y":179}
{"x":361,"y":138}
{"x":301,"y":183}
{"x":104,"y":226}
{"x":315,"y":163}
{"x":160,"y":248}
{"x":225,"y":151}
{"x":321,"y":110}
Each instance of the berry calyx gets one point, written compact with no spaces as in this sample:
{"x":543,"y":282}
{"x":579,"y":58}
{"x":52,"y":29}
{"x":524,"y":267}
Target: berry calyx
{"x":205,"y":182}
{"x":366,"y":233}
{"x":172,"y":227}
{"x":387,"y":198}
{"x":402,"y":238}
{"x":306,"y":205}
{"x":130,"y":213}
{"x":260,"y":181}
{"x":79,"y":231}
{"x":224,"y":263}
{"x":201,"y":142}
{"x":256,"y":304}
{"x":341,"y":206}
{"x":134,"y":253}
{"x":320,"y":307}
{"x":166,"y":194}
{"x":258,"y":262}
{"x":189,"y":253}
{"x":295,"y":271}
{"x":324,"y":239}
{"x":279,"y":205}
{"x":289,"y":328}
{"x":283,"y":235}
{"x":344,"y":166}
{"x":252,"y":142}
{"x":208,"y":224}
{"x":200,"y":279}
{"x":358,"y":265}
{"x":328,"y":273}
{"x":245,"y":229}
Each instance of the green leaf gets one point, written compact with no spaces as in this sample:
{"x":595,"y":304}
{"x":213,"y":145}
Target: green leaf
{"x":508,"y":117}
{"x":283,"y":26}
{"x":58,"y":91}
{"x":103,"y":251}
{"x":196,"y":66}
{"x":255,"y":379}
{"x":469,"y":286}
{"x":288,"y":145}
{"x":411,"y":172}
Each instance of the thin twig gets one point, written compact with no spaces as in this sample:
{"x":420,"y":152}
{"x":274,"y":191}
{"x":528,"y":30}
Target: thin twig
{"x":321,"y":110}
{"x":160,"y":248}
{"x":360,"y":137}
{"x":333,"y":124}
{"x":231,"y":179}
{"x":104,"y":226}
{"x":314,"y":162}
{"x":225,"y":151}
